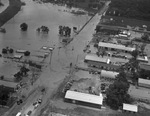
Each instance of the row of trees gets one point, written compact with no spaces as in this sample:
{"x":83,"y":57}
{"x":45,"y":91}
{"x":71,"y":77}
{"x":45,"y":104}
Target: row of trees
{"x":138,"y":9}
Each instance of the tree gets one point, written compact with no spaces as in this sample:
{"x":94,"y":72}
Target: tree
{"x":135,"y":54}
{"x":2,"y":77}
{"x":143,"y":48}
{"x":24,"y":27}
{"x":24,"y":70}
{"x":145,"y":37}
{"x":27,"y":53}
{"x":11,"y":50}
{"x":117,"y":94}
{"x":4,"y":51}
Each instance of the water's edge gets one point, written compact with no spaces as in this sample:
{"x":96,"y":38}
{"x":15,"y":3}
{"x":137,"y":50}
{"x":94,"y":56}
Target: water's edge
{"x":13,"y":8}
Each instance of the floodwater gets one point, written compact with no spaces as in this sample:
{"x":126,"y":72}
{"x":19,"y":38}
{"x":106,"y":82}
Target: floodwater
{"x":36,"y":15}
{"x":6,"y":3}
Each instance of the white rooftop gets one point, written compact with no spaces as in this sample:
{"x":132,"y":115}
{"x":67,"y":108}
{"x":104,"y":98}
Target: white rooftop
{"x":130,"y":107}
{"x":18,"y":56}
{"x":115,"y":46}
{"x":144,"y":81}
{"x":21,"y":51}
{"x":109,"y":74}
{"x":95,"y":99}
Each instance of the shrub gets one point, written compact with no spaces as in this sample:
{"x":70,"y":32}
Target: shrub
{"x":11,"y":50}
{"x":27,"y":53}
{"x":4,"y":51}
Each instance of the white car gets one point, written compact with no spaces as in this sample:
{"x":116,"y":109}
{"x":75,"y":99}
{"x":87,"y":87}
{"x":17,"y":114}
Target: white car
{"x":39,"y":101}
{"x":29,"y":113}
{"x":18,"y":114}
{"x":35,"y":104}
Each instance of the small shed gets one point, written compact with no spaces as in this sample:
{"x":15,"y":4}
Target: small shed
{"x":17,"y":57}
{"x":130,"y":108}
{"x":88,"y":99}
{"x":144,"y":82}
{"x":21,"y":51}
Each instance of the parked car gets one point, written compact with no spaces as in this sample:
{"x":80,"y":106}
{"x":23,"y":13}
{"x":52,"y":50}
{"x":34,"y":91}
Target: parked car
{"x":40,"y":101}
{"x":18,"y":114}
{"x":29,"y":113}
{"x":35,"y":104}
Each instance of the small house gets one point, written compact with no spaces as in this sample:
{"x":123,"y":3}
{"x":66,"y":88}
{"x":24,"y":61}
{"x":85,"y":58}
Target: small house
{"x":130,"y":108}
{"x":21,"y":51}
{"x":17,"y":57}
{"x":144,"y":82}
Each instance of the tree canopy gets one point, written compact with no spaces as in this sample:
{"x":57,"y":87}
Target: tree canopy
{"x":138,"y":9}
{"x":117,"y":94}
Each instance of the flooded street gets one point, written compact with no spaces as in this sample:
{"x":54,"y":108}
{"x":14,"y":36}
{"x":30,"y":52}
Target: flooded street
{"x":36,"y":15}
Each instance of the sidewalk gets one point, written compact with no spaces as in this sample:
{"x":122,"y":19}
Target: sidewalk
{"x":6,"y":4}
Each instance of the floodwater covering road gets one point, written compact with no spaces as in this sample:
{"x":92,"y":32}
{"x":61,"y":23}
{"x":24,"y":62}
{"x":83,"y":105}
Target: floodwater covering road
{"x":36,"y":15}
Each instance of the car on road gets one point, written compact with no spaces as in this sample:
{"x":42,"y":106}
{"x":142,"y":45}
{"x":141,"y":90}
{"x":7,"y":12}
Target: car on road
{"x":18,"y":114}
{"x":29,"y":113}
{"x":36,"y":104}
{"x":39,"y":100}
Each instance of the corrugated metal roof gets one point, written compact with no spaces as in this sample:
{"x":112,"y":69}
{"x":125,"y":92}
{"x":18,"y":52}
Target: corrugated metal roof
{"x":89,"y":98}
{"x":8,"y":84}
{"x":144,"y":66}
{"x":94,"y":57}
{"x":130,"y":107}
{"x":143,"y":81}
{"x":109,"y":74}
{"x":115,"y":46}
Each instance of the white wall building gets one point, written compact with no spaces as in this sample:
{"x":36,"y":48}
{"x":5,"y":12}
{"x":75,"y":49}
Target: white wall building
{"x":129,"y":107}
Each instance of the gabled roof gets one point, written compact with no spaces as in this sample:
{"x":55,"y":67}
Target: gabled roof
{"x":84,"y":97}
{"x":115,"y":46}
